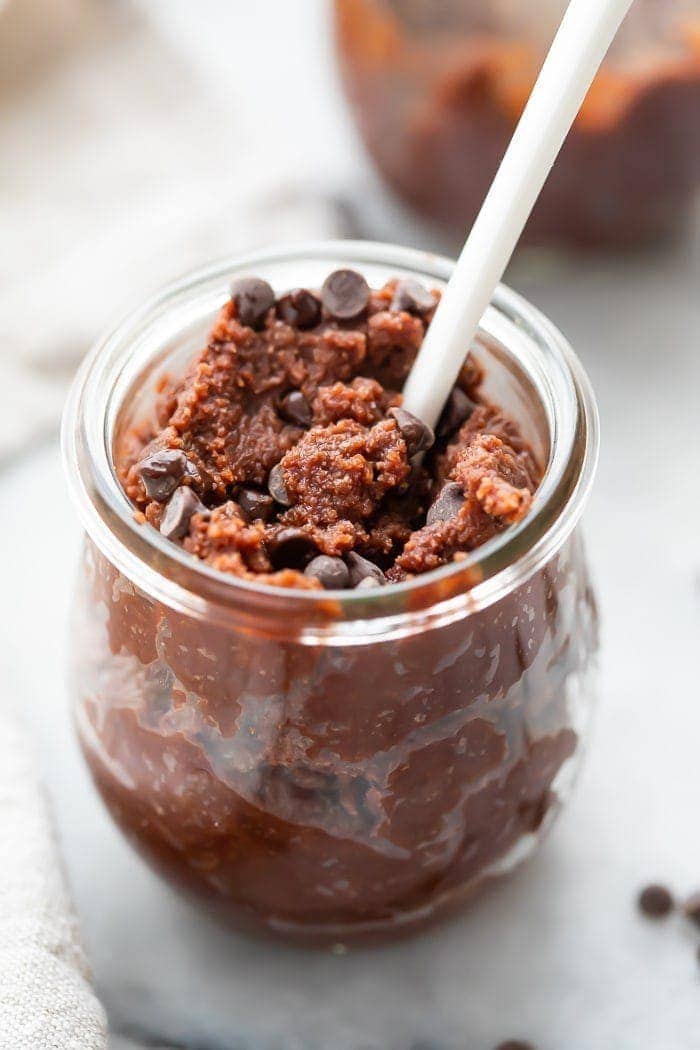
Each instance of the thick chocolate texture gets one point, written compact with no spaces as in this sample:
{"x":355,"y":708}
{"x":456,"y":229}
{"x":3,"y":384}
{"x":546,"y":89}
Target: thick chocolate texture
{"x":291,"y":418}
{"x":324,"y":792}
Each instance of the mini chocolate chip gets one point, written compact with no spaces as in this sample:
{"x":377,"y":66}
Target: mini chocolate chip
{"x":291,"y":549}
{"x":362,"y":569}
{"x":162,"y":472}
{"x":449,"y":502}
{"x":655,"y":902}
{"x":413,"y":297}
{"x":300,"y":308}
{"x":691,"y":908}
{"x":345,"y":294}
{"x":331,"y":573}
{"x":456,"y":411}
{"x":418,"y":435}
{"x":276,"y":486}
{"x":253,"y":298}
{"x":515,"y":1044}
{"x":183,"y":504}
{"x":296,"y":409}
{"x":255,"y":504}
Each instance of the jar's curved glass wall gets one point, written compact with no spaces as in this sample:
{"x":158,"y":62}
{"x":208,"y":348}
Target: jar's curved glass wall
{"x":319,"y":768}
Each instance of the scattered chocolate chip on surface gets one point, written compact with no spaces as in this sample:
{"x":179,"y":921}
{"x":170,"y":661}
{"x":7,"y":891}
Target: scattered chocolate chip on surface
{"x":256,"y":505}
{"x":418,"y":436}
{"x":447,"y":505}
{"x":515,"y":1044}
{"x":332,"y":573}
{"x":457,"y":410}
{"x":276,"y":486}
{"x":253,"y":298}
{"x":362,"y":569}
{"x":182,"y":506}
{"x":345,"y":295}
{"x":162,"y":472}
{"x":691,"y":908}
{"x":412,"y":297}
{"x":655,"y":901}
{"x":299,"y":308}
{"x":291,"y":549}
{"x":295,"y":409}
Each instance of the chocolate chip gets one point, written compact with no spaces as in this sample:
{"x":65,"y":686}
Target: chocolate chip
{"x":655,"y":902}
{"x":300,"y":308}
{"x":362,"y":569}
{"x":345,"y":294}
{"x":255,"y":504}
{"x":691,"y":909}
{"x":413,"y":297}
{"x":296,"y":409}
{"x":456,"y":411}
{"x":183,"y":504}
{"x":291,"y":549}
{"x":331,"y":573}
{"x":253,"y":298}
{"x":449,"y":502}
{"x":162,"y":472}
{"x":276,"y":486}
{"x":418,"y":435}
{"x":515,"y":1044}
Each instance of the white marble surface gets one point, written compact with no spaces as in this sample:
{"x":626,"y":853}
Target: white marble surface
{"x":558,"y":954}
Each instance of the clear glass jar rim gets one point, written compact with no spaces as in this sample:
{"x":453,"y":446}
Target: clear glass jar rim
{"x":168,"y":574}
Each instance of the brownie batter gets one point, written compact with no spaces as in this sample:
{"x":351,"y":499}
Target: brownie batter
{"x":284,"y":455}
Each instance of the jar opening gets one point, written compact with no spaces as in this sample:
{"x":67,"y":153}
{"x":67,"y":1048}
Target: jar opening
{"x":527,"y":362}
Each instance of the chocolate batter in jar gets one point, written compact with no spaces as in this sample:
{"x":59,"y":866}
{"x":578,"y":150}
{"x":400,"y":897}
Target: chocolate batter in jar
{"x":326,"y":689}
{"x":437,"y":90}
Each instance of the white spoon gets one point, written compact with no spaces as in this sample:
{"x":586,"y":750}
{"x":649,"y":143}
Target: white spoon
{"x":585,"y":34}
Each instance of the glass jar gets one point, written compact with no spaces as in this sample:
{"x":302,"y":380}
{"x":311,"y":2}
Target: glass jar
{"x":437,"y":89}
{"x":325,"y":767}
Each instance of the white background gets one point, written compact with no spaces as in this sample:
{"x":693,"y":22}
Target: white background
{"x":558,"y":954}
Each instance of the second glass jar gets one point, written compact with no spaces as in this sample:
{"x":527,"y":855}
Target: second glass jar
{"x":437,"y":90}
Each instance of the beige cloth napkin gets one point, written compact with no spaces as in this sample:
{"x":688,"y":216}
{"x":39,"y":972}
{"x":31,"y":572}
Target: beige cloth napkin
{"x":46,"y":1000}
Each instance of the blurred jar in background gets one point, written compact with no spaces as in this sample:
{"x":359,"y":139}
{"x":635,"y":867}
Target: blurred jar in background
{"x":437,"y":87}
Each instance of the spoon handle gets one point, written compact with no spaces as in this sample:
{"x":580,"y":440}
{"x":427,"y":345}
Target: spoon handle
{"x":584,"y":36}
